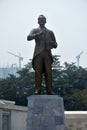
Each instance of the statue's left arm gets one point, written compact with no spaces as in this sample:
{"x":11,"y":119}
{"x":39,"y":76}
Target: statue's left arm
{"x":54,"y":43}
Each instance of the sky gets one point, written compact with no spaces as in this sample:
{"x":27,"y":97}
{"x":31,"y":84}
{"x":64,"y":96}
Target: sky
{"x":66,"y":18}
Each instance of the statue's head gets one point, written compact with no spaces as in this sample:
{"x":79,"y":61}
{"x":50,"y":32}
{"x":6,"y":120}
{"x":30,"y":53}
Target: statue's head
{"x":41,"y":19}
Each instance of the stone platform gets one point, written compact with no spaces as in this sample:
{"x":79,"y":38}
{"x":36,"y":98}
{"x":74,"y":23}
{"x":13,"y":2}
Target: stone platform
{"x":45,"y":112}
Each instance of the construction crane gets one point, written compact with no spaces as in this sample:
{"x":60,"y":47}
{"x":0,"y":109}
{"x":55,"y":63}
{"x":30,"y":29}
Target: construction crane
{"x":78,"y":58}
{"x":19,"y":57}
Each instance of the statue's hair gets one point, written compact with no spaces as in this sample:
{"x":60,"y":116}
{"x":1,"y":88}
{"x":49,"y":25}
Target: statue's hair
{"x":42,"y":17}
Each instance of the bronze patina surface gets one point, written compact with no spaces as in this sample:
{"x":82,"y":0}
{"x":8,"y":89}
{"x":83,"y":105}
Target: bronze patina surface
{"x":42,"y":59}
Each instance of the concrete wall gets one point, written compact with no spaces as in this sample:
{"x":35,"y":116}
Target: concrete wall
{"x":14,"y":117}
{"x":76,"y":120}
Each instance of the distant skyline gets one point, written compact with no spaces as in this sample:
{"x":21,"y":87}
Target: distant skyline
{"x":67,"y":19}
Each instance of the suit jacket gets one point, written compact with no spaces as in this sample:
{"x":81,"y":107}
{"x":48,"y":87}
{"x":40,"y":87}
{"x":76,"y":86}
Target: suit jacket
{"x":46,"y":40}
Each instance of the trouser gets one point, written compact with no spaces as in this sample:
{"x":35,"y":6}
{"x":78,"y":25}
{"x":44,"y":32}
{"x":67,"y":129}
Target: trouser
{"x":42,"y":63}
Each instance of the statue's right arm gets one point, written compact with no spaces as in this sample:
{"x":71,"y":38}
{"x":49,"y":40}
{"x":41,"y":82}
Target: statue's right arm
{"x":31,"y":35}
{"x":34,"y":34}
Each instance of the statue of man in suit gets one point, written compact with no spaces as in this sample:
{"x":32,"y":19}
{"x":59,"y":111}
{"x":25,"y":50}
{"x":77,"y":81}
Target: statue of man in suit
{"x":42,"y":59}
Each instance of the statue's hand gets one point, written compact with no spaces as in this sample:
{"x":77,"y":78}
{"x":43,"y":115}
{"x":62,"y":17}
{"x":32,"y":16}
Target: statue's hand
{"x":38,"y":34}
{"x":53,"y":44}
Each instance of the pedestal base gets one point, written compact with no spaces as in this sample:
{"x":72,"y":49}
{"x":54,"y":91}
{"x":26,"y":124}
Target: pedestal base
{"x":45,"y":112}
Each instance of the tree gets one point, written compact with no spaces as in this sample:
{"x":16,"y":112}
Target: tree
{"x":74,"y":87}
{"x":68,"y":81}
{"x":18,"y":88}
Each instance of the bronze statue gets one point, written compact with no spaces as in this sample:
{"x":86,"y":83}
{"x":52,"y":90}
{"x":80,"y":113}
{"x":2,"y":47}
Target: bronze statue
{"x":42,"y":59}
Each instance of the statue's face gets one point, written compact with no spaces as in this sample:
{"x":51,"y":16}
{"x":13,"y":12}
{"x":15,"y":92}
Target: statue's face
{"x":41,"y":20}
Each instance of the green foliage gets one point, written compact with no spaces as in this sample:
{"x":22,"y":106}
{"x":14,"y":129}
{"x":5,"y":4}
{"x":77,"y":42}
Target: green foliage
{"x":71,"y":83}
{"x":68,"y":81}
{"x":18,"y":88}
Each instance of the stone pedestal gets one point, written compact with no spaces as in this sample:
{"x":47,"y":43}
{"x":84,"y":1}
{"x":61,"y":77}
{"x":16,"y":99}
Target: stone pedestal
{"x":45,"y":112}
